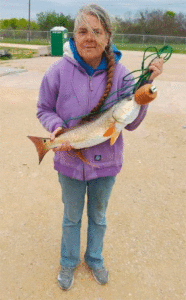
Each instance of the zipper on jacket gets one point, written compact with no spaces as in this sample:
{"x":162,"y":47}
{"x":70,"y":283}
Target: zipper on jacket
{"x":90,"y":90}
{"x":90,"y":83}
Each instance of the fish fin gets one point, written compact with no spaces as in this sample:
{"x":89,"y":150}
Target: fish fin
{"x":71,"y":153}
{"x":60,"y":132}
{"x":114,"y":138}
{"x":79,"y":153}
{"x":111,"y":130}
{"x":42,"y":146}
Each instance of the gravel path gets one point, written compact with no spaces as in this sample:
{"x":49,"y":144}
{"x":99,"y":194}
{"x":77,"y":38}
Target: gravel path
{"x":145,"y":242}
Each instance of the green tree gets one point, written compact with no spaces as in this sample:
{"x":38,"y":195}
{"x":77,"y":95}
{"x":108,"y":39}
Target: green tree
{"x":18,"y":24}
{"x":14,"y":23}
{"x":47,"y":20}
{"x":22,"y":24}
{"x":170,"y":13}
{"x":34,"y":25}
{"x":5,"y":24}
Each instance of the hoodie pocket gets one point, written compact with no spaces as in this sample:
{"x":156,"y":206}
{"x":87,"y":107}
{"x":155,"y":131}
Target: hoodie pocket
{"x":105,"y":155}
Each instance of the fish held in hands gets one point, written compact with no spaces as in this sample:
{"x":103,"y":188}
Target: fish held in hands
{"x":107,"y":125}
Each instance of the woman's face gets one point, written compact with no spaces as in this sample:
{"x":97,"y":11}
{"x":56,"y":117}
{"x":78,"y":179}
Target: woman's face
{"x":91,"y":40}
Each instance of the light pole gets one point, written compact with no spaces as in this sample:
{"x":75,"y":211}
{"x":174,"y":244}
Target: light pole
{"x":29,"y":20}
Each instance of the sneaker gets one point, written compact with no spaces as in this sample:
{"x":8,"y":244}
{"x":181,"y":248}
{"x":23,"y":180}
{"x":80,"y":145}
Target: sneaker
{"x":101,"y":275}
{"x":66,"y":278}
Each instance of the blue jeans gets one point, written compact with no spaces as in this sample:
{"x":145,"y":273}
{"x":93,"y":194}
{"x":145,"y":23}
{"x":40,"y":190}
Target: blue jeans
{"x":73,"y":196}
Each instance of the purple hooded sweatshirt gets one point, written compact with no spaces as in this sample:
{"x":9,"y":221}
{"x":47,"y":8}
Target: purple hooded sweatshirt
{"x":66,"y":92}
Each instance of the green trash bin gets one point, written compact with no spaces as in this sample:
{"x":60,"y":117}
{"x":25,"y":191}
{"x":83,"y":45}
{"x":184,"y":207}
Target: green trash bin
{"x":59,"y":35}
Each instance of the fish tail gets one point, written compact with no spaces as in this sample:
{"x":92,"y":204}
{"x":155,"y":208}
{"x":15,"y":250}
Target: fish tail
{"x":42,"y":145}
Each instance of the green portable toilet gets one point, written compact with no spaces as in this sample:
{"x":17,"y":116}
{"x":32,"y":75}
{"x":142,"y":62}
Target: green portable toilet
{"x":59,"y":35}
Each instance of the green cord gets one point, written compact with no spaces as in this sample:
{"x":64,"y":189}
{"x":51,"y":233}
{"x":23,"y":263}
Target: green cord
{"x":145,"y":72}
{"x":145,"y":75}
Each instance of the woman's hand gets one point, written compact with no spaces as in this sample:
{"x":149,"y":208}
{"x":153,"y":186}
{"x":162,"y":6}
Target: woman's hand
{"x":63,"y":147}
{"x":156,"y":67}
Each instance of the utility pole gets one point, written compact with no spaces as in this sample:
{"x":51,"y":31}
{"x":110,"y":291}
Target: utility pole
{"x":29,"y":20}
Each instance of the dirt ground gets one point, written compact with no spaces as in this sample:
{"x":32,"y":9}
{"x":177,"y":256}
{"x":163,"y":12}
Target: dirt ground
{"x":145,"y":242}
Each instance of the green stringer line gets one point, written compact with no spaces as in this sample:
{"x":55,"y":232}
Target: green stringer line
{"x":145,"y":74}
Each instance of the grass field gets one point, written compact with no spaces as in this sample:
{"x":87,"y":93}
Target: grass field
{"x":25,"y":42}
{"x":177,"y":48}
{"x":18,"y":53}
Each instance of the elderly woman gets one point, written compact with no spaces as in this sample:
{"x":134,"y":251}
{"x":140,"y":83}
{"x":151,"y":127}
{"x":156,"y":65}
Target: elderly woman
{"x":79,"y":83}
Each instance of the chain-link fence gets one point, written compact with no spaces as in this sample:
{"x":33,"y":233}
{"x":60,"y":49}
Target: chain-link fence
{"x":23,"y":35}
{"x":148,"y":40}
{"x":121,"y":40}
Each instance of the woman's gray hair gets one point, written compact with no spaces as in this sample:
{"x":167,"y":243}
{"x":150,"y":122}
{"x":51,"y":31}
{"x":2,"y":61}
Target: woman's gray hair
{"x":103,"y":17}
{"x":99,"y":12}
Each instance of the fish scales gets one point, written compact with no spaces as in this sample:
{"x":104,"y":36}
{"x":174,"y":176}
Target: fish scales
{"x":88,"y":134}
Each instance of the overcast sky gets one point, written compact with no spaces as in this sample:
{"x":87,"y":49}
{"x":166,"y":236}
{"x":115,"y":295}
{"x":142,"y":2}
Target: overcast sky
{"x":122,"y":8}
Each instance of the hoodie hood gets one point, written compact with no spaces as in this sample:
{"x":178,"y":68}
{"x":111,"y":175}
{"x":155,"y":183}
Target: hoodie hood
{"x":71,"y":51}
